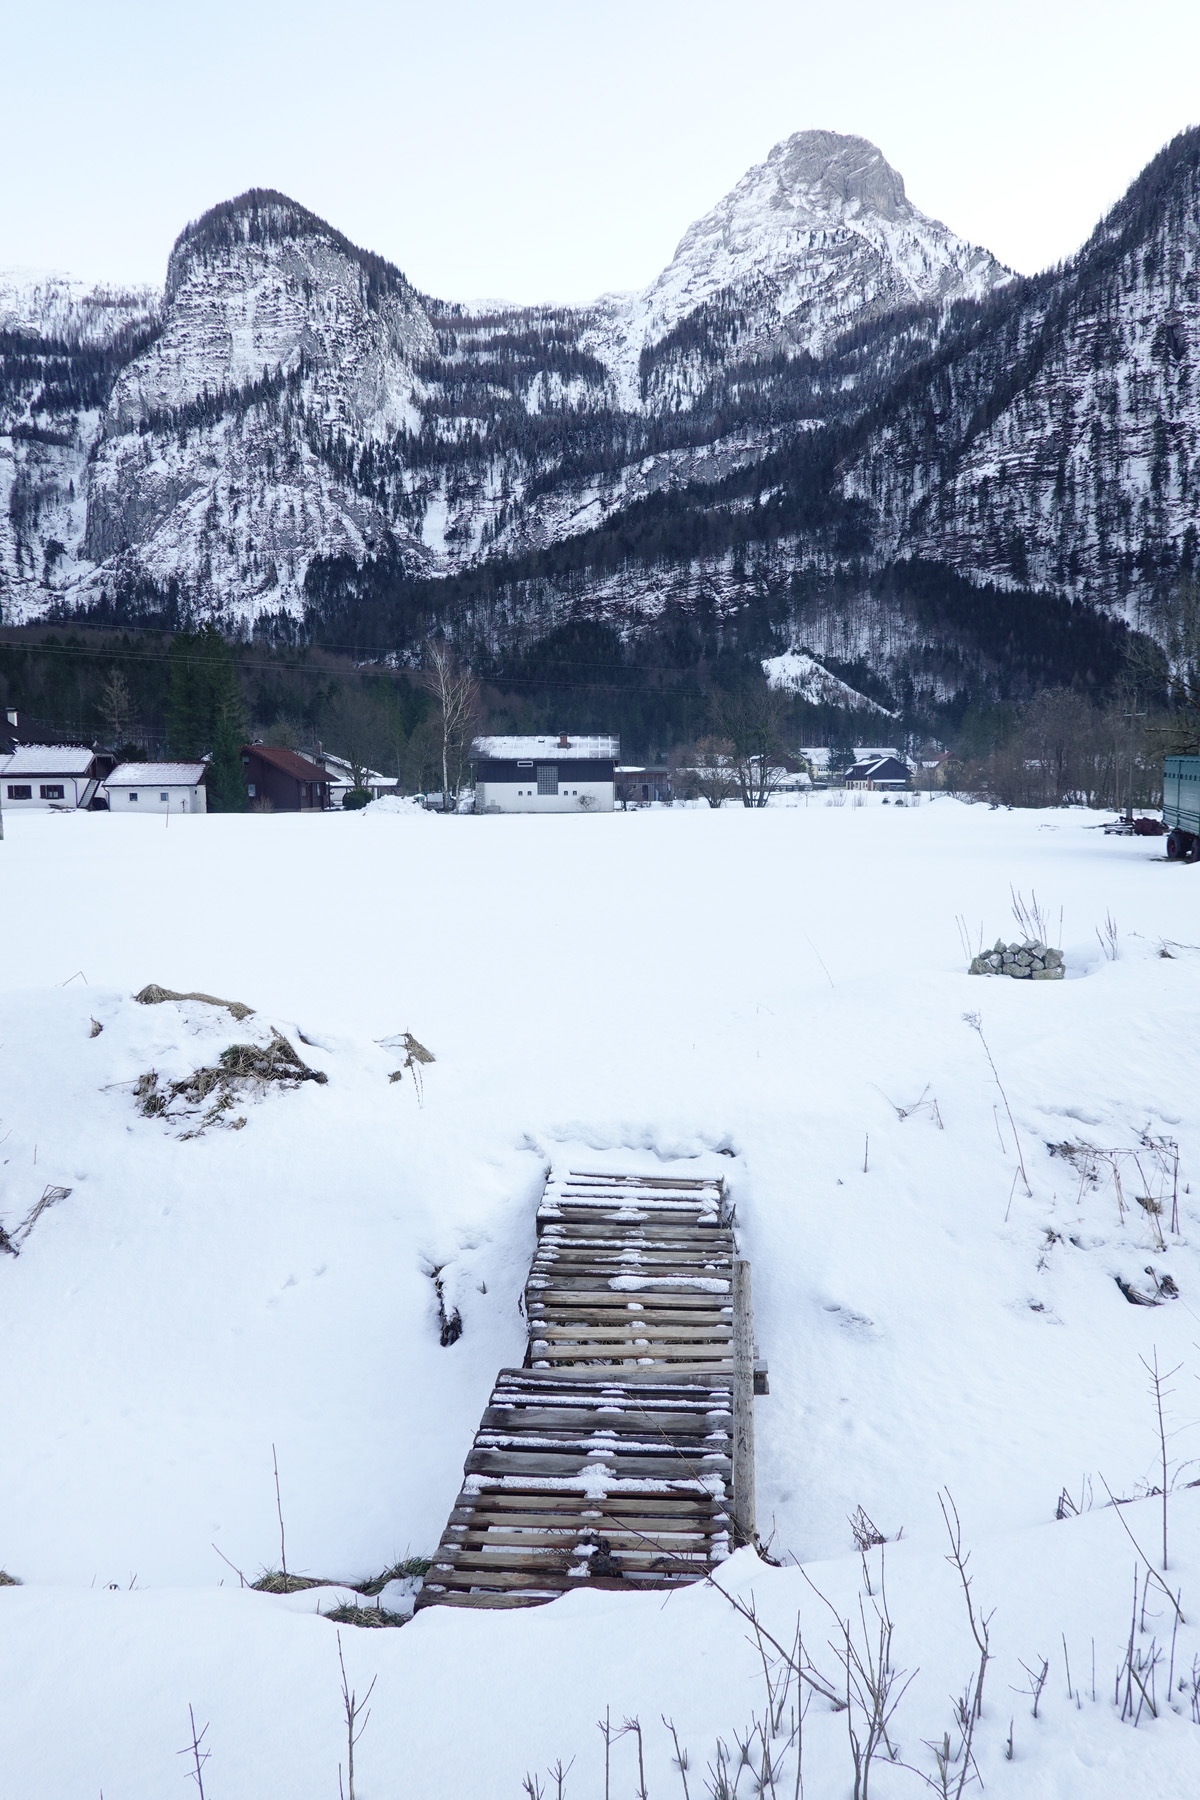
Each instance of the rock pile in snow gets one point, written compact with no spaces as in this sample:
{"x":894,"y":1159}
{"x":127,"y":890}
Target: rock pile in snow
{"x":1028,"y":961}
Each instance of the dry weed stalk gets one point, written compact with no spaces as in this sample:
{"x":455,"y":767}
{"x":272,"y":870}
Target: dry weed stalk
{"x":198,"y":1755}
{"x":975,"y":1021}
{"x":1037,"y":1681}
{"x":352,"y":1707}
{"x":1161,"y":1393}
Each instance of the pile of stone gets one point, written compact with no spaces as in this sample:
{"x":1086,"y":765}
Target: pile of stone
{"x":1030,"y":961}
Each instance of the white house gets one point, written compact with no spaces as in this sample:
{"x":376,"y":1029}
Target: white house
{"x":157,"y":788}
{"x":341,"y":777}
{"x":48,"y":778}
{"x":545,"y":774}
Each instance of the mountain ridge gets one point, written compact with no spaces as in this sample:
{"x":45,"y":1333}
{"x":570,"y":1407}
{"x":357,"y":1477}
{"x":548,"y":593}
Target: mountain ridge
{"x":820,"y":383}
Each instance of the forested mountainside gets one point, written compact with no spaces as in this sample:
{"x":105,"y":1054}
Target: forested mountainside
{"x":830,"y":424}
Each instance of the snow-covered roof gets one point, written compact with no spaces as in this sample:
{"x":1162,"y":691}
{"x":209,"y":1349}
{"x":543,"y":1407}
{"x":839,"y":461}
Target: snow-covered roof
{"x":165,"y":774}
{"x":550,"y":748}
{"x":49,"y":759}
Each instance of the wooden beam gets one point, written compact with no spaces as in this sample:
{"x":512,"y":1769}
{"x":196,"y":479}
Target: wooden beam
{"x":744,"y":1520}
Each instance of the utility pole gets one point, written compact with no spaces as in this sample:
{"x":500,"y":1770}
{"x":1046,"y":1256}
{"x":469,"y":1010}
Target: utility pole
{"x":1132,"y":715}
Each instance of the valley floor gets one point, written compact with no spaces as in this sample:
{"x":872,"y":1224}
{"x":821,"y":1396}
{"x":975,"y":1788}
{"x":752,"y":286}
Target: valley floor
{"x":782,"y":994}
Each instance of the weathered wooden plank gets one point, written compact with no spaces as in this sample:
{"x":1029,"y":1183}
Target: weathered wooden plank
{"x":743,"y":1408}
{"x":544,"y":1462}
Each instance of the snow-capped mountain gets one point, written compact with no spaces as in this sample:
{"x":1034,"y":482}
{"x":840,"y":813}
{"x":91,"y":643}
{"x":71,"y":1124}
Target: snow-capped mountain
{"x":822,"y":384}
{"x":235,"y":448}
{"x":819,"y":238}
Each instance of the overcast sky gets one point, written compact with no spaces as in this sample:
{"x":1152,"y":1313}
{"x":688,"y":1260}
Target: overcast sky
{"x":533,"y":150}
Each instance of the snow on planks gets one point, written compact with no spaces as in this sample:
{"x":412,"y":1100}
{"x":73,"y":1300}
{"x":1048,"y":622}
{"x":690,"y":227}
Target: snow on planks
{"x":619,"y":1456}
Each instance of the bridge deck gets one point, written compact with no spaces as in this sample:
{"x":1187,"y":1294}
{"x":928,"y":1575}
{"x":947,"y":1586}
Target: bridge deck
{"x":621,"y":1455}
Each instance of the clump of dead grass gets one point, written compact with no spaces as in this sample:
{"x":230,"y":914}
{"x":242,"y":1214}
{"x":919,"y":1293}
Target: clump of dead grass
{"x":368,"y":1617}
{"x":7,"y":1580}
{"x":240,"y":1069}
{"x":153,"y":995}
{"x":276,"y":1581}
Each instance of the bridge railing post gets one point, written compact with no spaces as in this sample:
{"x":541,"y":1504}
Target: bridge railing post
{"x":744,"y":1523}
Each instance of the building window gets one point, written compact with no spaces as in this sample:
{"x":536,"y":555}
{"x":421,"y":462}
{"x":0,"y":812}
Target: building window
{"x":20,"y":793}
{"x":547,"y":777}
{"x":51,"y":791}
{"x":164,"y":797}
{"x":250,"y":789}
{"x":133,"y":797}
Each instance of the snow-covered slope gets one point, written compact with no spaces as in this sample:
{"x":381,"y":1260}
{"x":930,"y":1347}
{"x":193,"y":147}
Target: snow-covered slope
{"x":796,"y":672}
{"x":48,"y":303}
{"x":1057,"y":447}
{"x":194,"y":1301}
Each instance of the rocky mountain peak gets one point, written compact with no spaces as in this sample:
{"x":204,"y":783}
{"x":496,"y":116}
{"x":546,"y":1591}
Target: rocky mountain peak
{"x":826,"y":173}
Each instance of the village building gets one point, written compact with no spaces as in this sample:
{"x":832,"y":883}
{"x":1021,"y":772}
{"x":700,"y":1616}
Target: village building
{"x":148,"y":787}
{"x":886,"y":773}
{"x":342,"y":782}
{"x":283,"y":781}
{"x":643,"y":786}
{"x":545,"y":774}
{"x":48,"y":778}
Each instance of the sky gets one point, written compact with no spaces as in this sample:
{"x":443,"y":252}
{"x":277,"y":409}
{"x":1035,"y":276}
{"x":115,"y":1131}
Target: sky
{"x":531,"y":150}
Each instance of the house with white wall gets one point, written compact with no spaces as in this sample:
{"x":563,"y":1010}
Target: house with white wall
{"x":556,"y":773}
{"x":48,"y":778}
{"x":146,"y":787}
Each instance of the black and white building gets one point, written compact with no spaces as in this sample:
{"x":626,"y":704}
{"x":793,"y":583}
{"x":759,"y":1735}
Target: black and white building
{"x":545,"y":774}
{"x":875,"y":772}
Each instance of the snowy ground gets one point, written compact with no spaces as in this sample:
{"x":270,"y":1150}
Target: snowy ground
{"x":772,"y":985}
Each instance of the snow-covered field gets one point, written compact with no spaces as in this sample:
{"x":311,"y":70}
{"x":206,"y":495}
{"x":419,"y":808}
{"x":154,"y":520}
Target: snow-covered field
{"x":776,"y":986}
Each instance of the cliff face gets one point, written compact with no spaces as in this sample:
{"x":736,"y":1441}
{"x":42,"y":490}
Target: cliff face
{"x":1053,"y":441}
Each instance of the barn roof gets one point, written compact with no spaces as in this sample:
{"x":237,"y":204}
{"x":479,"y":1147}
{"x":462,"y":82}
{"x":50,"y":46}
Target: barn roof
{"x":287,"y":762}
{"x":163,"y":774}
{"x":547,"y":749}
{"x":48,"y":759}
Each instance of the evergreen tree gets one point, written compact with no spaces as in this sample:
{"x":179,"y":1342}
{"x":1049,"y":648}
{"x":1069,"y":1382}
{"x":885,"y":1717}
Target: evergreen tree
{"x":205,"y":713}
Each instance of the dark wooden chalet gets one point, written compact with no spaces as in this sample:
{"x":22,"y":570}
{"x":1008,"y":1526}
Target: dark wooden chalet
{"x":281,"y":781}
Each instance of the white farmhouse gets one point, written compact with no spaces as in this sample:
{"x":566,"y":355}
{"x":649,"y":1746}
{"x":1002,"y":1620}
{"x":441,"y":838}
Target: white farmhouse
{"x":545,"y":774}
{"x":147,"y":787}
{"x":48,"y":778}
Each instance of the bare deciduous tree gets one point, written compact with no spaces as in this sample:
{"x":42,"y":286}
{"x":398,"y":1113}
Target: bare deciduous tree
{"x":706,"y":772}
{"x":456,"y":696}
{"x":117,"y":704}
{"x":752,"y":719}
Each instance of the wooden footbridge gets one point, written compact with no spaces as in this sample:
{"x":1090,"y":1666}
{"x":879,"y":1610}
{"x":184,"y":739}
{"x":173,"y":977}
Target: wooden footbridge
{"x":622,"y":1454}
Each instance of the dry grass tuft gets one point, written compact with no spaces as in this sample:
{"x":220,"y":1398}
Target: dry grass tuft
{"x":272,"y":1581}
{"x":153,"y":995}
{"x":369,"y":1617}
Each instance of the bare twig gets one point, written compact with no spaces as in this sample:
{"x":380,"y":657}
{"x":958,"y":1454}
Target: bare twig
{"x":198,"y":1755}
{"x":1150,"y":1566}
{"x":353,"y":1707}
{"x":1157,"y":1378}
{"x":981,"y":1622}
{"x":279,"y":1510}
